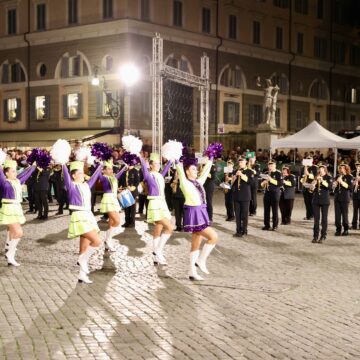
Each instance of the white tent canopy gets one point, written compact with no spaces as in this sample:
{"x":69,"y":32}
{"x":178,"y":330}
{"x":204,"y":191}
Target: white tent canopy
{"x":353,"y":143}
{"x":313,"y":136}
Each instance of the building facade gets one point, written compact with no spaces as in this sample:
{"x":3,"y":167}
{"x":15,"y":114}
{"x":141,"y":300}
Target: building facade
{"x":50,"y":51}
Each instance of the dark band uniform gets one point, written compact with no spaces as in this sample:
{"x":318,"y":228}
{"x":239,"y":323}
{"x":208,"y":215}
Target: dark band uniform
{"x":254,"y":188}
{"x":307,"y":192}
{"x":241,"y":189}
{"x":287,"y":199}
{"x":321,"y":203}
{"x":342,"y":200}
{"x":356,"y":201}
{"x":271,"y":200}
{"x":229,"y":204}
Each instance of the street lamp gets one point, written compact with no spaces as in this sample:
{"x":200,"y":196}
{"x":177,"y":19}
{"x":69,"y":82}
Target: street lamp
{"x":129,"y":74}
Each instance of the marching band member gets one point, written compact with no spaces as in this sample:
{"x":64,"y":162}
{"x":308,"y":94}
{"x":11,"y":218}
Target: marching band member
{"x":321,"y":186}
{"x":229,"y":204}
{"x":272,"y":184}
{"x":342,"y":190}
{"x":309,"y":175}
{"x":11,"y":213}
{"x":109,"y":202}
{"x":196,"y":218}
{"x":82,"y":221}
{"x":157,"y":212}
{"x":254,"y":185}
{"x":356,"y":197}
{"x":241,"y":189}
{"x":287,"y":197}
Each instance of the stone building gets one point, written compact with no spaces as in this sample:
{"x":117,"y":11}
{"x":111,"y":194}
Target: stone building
{"x":50,"y":50}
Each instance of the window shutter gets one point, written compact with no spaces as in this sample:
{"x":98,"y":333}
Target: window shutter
{"x":47,"y":107}
{"x":5,"y":74}
{"x":18,"y":109}
{"x":99,"y":104}
{"x":65,"y":67}
{"x":65,"y":107}
{"x":6,"y":114}
{"x":80,"y":106}
{"x":33,"y":108}
{"x":76,"y":66}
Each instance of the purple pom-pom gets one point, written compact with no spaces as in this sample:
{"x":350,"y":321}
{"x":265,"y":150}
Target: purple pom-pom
{"x":185,"y":153}
{"x":101,"y":151}
{"x":130,"y":159}
{"x":214,"y":151}
{"x":41,"y":157}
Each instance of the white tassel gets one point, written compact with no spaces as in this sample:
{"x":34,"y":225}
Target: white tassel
{"x":3,"y":156}
{"x":60,"y":152}
{"x":132,"y":144}
{"x":172,"y":150}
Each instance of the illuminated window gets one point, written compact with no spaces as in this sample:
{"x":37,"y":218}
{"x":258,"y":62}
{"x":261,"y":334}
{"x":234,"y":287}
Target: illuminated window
{"x":72,"y":106}
{"x":40,"y":107}
{"x":12,"y":108}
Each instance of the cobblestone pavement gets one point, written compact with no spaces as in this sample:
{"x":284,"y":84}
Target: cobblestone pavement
{"x":271,"y":295}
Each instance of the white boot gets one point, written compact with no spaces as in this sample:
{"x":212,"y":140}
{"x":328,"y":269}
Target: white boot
{"x":193,"y":275}
{"x":7,"y":241}
{"x":156,"y":242}
{"x":109,"y":242}
{"x":160,"y":249}
{"x":83,"y":278}
{"x":84,"y":258}
{"x":10,"y":254}
{"x":201,"y":261}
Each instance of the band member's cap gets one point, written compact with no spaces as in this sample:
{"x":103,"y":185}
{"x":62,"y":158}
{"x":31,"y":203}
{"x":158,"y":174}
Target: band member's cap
{"x":319,"y":165}
{"x":242,"y":158}
{"x":343,"y":164}
{"x":309,"y":157}
{"x":357,"y":163}
{"x":285,"y":167}
{"x":271,"y":162}
{"x":230,"y":162}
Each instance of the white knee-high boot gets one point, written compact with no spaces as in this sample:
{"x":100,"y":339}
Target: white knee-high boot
{"x":7,"y":241}
{"x":84,"y":258}
{"x":109,"y":242}
{"x":193,"y":275}
{"x":201,"y":261}
{"x":10,"y":254}
{"x":160,"y":250}
{"x":83,"y":278}
{"x":156,"y":243}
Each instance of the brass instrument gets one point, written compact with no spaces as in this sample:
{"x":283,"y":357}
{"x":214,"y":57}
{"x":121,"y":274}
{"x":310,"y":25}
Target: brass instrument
{"x":337,"y":182}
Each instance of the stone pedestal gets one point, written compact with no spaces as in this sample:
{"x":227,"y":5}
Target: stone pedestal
{"x":264,"y":135}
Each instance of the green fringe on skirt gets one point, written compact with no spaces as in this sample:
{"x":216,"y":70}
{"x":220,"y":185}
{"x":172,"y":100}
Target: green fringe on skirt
{"x":11,"y":214}
{"x":157,"y":210}
{"x":82,"y":222}
{"x":109,"y":203}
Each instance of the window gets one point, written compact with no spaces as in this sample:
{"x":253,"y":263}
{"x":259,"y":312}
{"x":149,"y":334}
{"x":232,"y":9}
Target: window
{"x":338,"y":52}
{"x":256,"y":32}
{"x":73,"y":66}
{"x":320,"y":47}
{"x":298,"y":120}
{"x":355,"y":96}
{"x":145,"y":10}
{"x":17,"y":73}
{"x":355,"y":55}
{"x":41,"y":107}
{"x":12,"y":21}
{"x":300,"y":43}
{"x":145,"y":103}
{"x":232,"y":27}
{"x":279,"y":38}
{"x":72,"y":106}
{"x":255,"y":115}
{"x":231,"y":78}
{"x":42,"y":70}
{"x":73,"y":12}
{"x":301,"y":6}
{"x":281,"y":81}
{"x":12,"y":109}
{"x":107,"y":9}
{"x":231,"y":112}
{"x":318,"y":90}
{"x":320,"y":9}
{"x":40,"y":17}
{"x":277,"y":117}
{"x":5,"y":74}
{"x":177,"y":13}
{"x":284,"y":4}
{"x":107,"y":103}
{"x":317,"y":116}
{"x":206,"y":20}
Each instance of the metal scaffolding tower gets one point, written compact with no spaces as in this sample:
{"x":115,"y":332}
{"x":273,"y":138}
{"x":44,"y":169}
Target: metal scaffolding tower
{"x":159,"y":70}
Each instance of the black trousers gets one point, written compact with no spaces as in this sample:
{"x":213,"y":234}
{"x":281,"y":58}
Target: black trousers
{"x":271,"y":204}
{"x":342,"y":215}
{"x":253,"y":202}
{"x":168,"y":196}
{"x":209,"y":190}
{"x":41,"y":201}
{"x":178,"y":204}
{"x":62,"y":199}
{"x":356,"y":212}
{"x":229,"y":204}
{"x":308,"y":196}
{"x":323,"y":210}
{"x":286,"y":208}
{"x":130,"y":215}
{"x":143,"y":202}
{"x":31,"y":197}
{"x":242,"y":215}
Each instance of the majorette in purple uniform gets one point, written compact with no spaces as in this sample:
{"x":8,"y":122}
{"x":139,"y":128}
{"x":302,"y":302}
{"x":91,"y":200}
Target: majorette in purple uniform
{"x":11,"y":213}
{"x":196,"y":218}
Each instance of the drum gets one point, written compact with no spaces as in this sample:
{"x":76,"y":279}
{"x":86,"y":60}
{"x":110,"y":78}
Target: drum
{"x":126,"y":198}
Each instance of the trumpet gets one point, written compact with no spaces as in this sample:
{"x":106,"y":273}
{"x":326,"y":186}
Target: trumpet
{"x":337,"y":182}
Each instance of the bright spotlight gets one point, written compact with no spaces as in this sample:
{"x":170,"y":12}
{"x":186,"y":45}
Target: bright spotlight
{"x":129,"y":74}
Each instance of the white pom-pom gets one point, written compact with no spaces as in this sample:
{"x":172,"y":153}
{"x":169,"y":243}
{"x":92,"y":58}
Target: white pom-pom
{"x":91,"y":160}
{"x":83,"y":153}
{"x":61,"y":151}
{"x":132,"y":144}
{"x":172,"y":150}
{"x":2,"y":156}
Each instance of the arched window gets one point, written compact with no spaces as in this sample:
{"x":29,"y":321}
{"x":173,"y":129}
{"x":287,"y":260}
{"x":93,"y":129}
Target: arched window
{"x":318,"y":90}
{"x":282,"y":81}
{"x":73,"y":66}
{"x":12,"y":73}
{"x":232,"y":77}
{"x":182,"y":64}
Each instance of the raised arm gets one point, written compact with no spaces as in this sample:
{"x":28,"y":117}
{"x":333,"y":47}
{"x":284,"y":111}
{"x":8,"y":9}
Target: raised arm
{"x":91,"y":182}
{"x":67,"y":179}
{"x":144,"y":169}
{"x":2,"y":176}
{"x":24,"y":175}
{"x":119,"y":174}
{"x":205,"y":172}
{"x":166,"y":168}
